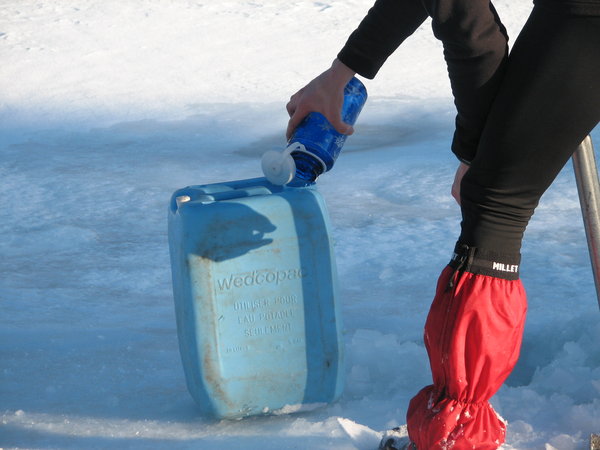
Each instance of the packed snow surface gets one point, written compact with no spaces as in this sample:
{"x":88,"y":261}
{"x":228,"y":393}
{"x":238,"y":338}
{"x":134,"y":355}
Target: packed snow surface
{"x":107,"y":107}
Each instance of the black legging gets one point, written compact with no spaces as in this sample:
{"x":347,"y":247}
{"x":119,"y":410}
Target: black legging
{"x":549,"y":100}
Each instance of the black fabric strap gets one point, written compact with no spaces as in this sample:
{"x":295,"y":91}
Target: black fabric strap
{"x":485,"y":262}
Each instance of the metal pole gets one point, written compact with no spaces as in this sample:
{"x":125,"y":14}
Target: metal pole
{"x":588,"y":186}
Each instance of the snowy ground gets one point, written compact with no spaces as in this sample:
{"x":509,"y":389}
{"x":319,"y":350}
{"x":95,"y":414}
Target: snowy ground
{"x":107,"y":107}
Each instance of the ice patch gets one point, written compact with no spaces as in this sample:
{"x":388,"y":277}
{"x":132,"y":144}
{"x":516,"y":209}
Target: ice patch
{"x":302,"y":407}
{"x":362,"y":436}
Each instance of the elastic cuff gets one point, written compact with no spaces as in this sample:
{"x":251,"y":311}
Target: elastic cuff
{"x":464,"y":161}
{"x":486,"y":262}
{"x":464,"y":149}
{"x":359,"y":63}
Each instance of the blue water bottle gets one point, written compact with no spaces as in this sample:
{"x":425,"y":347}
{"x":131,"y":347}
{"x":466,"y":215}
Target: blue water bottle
{"x":315,"y":144}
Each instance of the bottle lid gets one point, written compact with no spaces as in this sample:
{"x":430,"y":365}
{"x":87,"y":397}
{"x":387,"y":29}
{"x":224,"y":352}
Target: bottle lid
{"x":278,"y":167}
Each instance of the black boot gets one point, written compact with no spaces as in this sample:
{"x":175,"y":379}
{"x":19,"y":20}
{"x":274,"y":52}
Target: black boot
{"x":396,"y":439}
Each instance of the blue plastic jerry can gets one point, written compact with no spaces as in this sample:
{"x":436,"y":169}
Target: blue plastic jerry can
{"x":256,"y":300}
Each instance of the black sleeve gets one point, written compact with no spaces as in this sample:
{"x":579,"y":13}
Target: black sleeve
{"x":476,"y":53}
{"x":475,"y":50}
{"x":387,"y":24}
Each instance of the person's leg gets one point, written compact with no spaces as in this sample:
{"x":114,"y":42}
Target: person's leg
{"x":472,"y":336}
{"x":548,"y":101}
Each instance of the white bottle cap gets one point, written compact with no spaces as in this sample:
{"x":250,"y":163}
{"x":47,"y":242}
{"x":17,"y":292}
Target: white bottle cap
{"x":278,"y":167}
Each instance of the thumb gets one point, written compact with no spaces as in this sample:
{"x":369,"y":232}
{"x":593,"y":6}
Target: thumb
{"x":294,"y":121}
{"x":342,"y":127}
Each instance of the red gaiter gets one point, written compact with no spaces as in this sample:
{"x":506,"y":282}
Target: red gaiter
{"x":473,"y":336}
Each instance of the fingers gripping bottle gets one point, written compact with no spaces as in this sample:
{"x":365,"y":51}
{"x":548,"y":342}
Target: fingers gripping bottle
{"x":315,"y":144}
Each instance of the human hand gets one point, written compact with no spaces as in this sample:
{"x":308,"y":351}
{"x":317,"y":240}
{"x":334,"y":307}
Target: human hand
{"x":325,"y":95}
{"x":458,"y":176}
